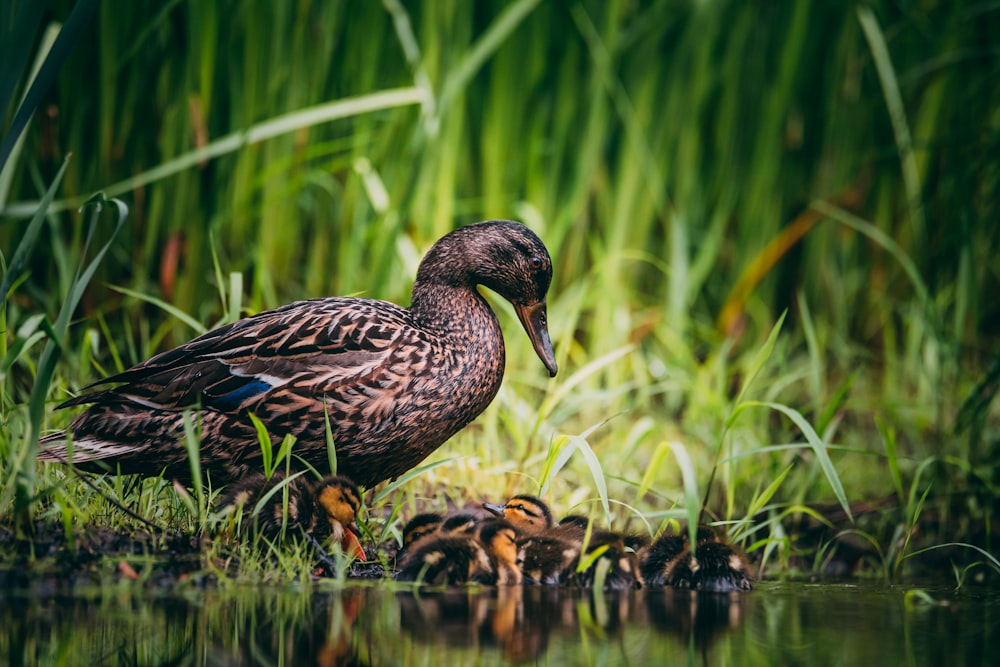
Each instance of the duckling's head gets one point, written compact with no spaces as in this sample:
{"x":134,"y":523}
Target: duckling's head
{"x":526,"y":513}
{"x":419,"y":527}
{"x":339,"y":499}
{"x":499,"y":538}
{"x":463,"y":523}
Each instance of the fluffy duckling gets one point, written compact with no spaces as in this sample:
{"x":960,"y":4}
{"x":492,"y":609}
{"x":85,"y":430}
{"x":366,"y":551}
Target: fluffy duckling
{"x":461,"y":523}
{"x":430,"y":524}
{"x":622,"y":571}
{"x":552,"y":553}
{"x":418,"y":528}
{"x":715,"y":565}
{"x":338,"y":501}
{"x":529,"y":513}
{"x":489,"y":556}
{"x":323,"y":510}
{"x":499,"y":538}
{"x":545,"y":553}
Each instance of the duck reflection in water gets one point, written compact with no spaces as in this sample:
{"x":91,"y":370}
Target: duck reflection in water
{"x":522,"y":622}
{"x":692,"y":615}
{"x":515,"y":620}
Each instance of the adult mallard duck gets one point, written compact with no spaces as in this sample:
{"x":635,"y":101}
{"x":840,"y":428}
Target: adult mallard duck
{"x":393,"y":383}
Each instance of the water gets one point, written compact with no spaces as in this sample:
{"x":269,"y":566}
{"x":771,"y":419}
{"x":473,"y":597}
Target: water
{"x":778,"y":624}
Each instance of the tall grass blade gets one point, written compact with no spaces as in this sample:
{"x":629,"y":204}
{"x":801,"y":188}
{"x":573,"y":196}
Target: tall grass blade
{"x":897,"y":114}
{"x":192,"y":446}
{"x":816,"y":444}
{"x":70,"y":34}
{"x":689,"y":477}
{"x":490,"y":40}
{"x":176,"y":312}
{"x":266,"y":446}
{"x":759,"y":359}
{"x":54,"y":346}
{"x":19,"y":262}
{"x":7,"y":170}
{"x":284,"y":124}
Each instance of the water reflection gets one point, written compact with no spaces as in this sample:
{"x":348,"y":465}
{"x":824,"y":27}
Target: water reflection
{"x":521,"y":622}
{"x":383,"y":625}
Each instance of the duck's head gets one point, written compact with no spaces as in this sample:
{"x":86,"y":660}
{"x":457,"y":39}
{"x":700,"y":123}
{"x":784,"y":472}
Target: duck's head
{"x":527,"y":513}
{"x":338,"y":499}
{"x":506,"y":257}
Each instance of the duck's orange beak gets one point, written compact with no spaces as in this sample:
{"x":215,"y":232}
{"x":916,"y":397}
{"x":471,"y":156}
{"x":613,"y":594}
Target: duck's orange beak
{"x":533,"y":319}
{"x":350,"y":544}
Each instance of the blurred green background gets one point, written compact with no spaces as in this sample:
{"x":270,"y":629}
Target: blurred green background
{"x":696,"y":169}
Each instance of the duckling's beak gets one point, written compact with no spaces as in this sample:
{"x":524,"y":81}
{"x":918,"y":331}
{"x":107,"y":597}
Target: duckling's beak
{"x":533,"y":319}
{"x":494,"y":509}
{"x":350,"y":544}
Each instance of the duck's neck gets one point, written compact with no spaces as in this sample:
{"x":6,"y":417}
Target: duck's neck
{"x":452,"y":311}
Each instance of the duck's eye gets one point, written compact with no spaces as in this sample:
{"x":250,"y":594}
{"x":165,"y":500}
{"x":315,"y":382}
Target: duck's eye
{"x":536,"y":262}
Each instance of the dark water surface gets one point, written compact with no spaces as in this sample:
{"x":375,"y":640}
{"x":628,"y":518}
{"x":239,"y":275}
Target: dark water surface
{"x":778,"y":624}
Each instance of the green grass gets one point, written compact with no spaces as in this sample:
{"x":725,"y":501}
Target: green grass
{"x":696,"y":170}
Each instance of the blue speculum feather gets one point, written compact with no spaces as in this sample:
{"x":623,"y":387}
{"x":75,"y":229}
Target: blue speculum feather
{"x":232,"y":400}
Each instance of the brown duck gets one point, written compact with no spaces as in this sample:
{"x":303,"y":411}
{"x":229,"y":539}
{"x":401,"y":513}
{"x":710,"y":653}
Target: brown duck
{"x":393,"y":383}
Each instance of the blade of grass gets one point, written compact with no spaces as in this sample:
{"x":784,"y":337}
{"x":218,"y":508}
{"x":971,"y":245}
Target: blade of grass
{"x":53,"y":349}
{"x":284,"y":124}
{"x":179,"y":314}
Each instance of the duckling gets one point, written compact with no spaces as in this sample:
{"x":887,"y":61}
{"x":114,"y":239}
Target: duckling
{"x":320,"y":511}
{"x":636,"y":542}
{"x":461,"y":523}
{"x":715,"y":566}
{"x":657,"y":562}
{"x":489,"y":556}
{"x":622,"y":563}
{"x":390,"y":384}
{"x":417,"y":528}
{"x":339,"y":499}
{"x":544,"y":552}
{"x":552,"y":553}
{"x":499,"y":538}
{"x":529,"y":513}
{"x":424,"y":525}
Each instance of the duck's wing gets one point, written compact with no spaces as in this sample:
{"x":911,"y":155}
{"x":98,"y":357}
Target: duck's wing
{"x":334,"y":340}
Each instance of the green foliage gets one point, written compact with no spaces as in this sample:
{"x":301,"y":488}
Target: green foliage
{"x":788,"y":207}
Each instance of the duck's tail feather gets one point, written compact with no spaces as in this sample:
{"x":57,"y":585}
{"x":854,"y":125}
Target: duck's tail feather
{"x":55,"y":448}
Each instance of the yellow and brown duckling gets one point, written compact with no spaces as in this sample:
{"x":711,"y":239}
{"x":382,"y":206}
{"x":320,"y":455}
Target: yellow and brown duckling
{"x":488,"y":555}
{"x":322,"y":510}
{"x":545,"y":553}
{"x":553,"y":553}
{"x":417,"y":528}
{"x":431,"y":524}
{"x":715,"y":565}
{"x":391,"y":383}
